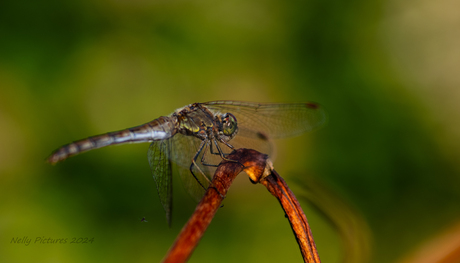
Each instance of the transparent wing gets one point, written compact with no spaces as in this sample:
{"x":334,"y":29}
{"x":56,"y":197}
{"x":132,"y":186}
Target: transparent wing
{"x":159,"y":156}
{"x":252,"y":140}
{"x":272,"y":120}
{"x":185,"y":148}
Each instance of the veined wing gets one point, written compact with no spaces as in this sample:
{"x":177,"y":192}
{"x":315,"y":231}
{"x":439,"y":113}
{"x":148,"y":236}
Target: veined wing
{"x":272,"y":120}
{"x":250,"y":139}
{"x":159,"y":155}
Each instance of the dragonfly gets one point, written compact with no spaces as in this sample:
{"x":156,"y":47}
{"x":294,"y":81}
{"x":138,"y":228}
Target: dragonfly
{"x":196,"y":137}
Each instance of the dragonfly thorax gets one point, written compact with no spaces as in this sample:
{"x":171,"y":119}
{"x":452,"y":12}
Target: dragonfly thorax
{"x":196,"y":121}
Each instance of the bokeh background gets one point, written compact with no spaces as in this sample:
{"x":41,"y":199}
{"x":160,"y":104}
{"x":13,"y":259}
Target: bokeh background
{"x":378,"y":183}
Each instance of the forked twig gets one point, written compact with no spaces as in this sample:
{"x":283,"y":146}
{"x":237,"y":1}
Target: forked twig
{"x":259,"y":169}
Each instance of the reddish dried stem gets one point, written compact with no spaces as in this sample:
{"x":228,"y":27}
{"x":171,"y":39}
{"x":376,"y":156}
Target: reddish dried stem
{"x":255,"y":164}
{"x":196,"y":226}
{"x":299,"y":224}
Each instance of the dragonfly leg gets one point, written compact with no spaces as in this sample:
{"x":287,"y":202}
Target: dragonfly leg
{"x":227,"y":144}
{"x":219,"y":150}
{"x":202,"y":146}
{"x":210,"y":182}
{"x":200,"y":149}
{"x":194,"y":176}
{"x":203,"y":161}
{"x":212,"y":150}
{"x":222,"y":154}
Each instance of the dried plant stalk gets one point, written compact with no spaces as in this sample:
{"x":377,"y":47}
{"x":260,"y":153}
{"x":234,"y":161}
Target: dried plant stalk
{"x":259,"y":169}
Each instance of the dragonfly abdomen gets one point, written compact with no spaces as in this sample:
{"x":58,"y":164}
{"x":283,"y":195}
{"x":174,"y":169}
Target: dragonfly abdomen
{"x":158,"y":129}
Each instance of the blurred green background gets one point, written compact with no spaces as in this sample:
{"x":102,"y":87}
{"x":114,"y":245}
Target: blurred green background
{"x":385,"y":71}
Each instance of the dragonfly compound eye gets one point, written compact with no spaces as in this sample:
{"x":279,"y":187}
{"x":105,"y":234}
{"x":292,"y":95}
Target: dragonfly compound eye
{"x":229,"y":125}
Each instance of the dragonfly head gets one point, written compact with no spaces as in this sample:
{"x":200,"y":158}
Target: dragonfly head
{"x":229,"y":126}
